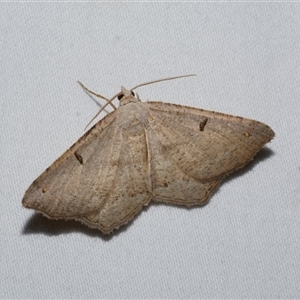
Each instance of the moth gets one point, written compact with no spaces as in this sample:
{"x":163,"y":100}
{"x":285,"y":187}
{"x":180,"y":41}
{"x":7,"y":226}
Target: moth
{"x":143,"y":152}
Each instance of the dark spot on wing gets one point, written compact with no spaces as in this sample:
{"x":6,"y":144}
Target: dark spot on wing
{"x":202,"y":124}
{"x":79,"y":157}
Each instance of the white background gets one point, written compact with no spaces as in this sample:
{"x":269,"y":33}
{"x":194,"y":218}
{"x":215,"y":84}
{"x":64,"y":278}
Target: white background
{"x":246,"y":241}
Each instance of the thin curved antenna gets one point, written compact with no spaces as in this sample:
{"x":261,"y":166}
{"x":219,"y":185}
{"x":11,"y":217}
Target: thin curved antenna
{"x":109,"y":101}
{"x":97,"y":95}
{"x":159,"y":80}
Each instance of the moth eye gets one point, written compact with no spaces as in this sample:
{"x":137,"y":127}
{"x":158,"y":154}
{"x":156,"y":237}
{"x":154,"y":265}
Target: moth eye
{"x":120,"y":96}
{"x":132,"y":93}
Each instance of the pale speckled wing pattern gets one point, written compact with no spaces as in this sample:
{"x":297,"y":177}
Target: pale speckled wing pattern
{"x":187,"y":164}
{"x":66,"y":188}
{"x":103,"y":190}
{"x":225,"y":144}
{"x":144,"y":151}
{"x":129,"y":191}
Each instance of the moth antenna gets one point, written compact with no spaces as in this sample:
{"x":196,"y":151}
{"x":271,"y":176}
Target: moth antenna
{"x":97,"y":95}
{"x":159,"y":80}
{"x":109,"y":102}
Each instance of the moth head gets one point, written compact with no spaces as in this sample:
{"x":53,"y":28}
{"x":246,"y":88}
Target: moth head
{"x":126,"y":96}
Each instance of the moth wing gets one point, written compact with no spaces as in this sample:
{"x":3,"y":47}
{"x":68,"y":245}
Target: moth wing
{"x":130,"y":189}
{"x":195,"y":149}
{"x":100,"y":180}
{"x":79,"y":181}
